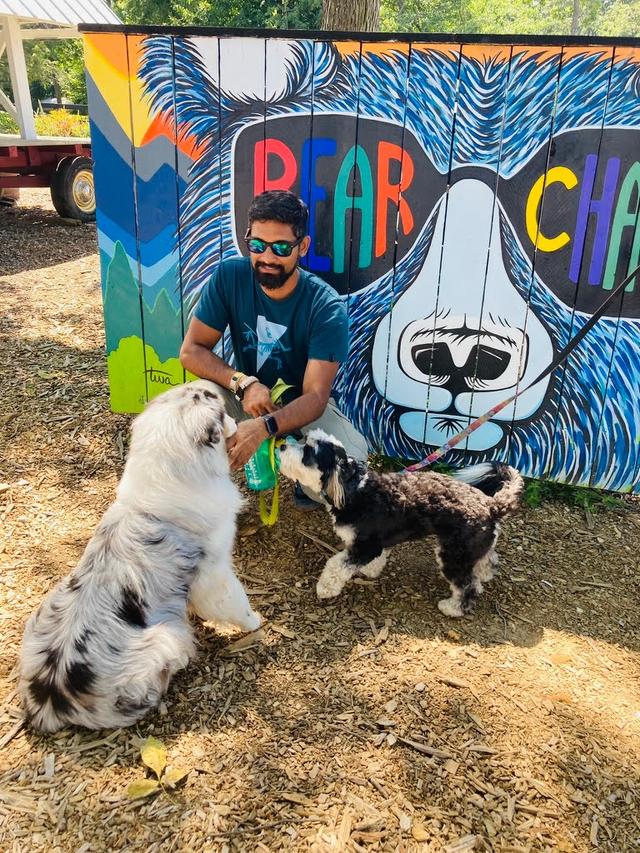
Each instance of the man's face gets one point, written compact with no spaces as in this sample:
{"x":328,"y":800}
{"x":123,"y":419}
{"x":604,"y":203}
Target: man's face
{"x":272,"y":271}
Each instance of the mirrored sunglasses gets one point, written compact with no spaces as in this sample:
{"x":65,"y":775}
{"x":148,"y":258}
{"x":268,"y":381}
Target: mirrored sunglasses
{"x":280,"y":248}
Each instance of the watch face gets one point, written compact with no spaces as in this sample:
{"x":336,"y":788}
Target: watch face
{"x":272,"y":424}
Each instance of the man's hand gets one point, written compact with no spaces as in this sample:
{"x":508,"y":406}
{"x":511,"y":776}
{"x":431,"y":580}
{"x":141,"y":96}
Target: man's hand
{"x":257,"y":400}
{"x":248,"y":438}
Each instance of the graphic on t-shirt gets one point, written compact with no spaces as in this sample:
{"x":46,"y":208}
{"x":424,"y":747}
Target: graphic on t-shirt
{"x":266,"y":341}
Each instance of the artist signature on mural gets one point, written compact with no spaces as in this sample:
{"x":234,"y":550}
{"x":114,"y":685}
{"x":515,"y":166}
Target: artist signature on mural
{"x":160,"y":377}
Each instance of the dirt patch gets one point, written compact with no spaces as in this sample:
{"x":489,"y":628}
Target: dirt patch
{"x":373,"y":723}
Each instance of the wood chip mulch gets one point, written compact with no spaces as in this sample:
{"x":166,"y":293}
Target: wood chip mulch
{"x":370,"y":724}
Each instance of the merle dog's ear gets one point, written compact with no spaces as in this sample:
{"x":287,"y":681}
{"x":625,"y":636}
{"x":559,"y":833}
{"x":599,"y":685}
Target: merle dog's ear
{"x":351,"y":474}
{"x":220,"y":427}
{"x":230,"y":426}
{"x":211,"y":435}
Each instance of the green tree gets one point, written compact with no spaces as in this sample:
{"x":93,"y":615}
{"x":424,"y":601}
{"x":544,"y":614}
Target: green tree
{"x":621,"y":18}
{"x":513,"y":17}
{"x":55,"y":69}
{"x":121,"y":301}
{"x":292,"y":14}
{"x":162,"y":326}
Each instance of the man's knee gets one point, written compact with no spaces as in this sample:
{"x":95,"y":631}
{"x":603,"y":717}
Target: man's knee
{"x":334,"y":422}
{"x":353,"y":442}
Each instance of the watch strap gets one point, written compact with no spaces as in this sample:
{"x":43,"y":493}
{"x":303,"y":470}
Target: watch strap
{"x":235,"y":380}
{"x":243,"y":384}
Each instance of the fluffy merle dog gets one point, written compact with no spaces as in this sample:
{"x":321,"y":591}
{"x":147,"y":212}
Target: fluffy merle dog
{"x":102,"y":647}
{"x":371,"y":512}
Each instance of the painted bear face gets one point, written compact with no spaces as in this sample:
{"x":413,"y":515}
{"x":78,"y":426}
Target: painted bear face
{"x":466,"y":268}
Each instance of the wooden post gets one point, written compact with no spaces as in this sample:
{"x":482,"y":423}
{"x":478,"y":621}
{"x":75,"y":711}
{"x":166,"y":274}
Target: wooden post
{"x":6,"y":103}
{"x":19,"y":79}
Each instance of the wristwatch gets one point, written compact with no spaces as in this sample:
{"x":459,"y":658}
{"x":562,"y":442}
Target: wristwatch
{"x":271,"y":424}
{"x":242,"y":386}
{"x":235,"y":379}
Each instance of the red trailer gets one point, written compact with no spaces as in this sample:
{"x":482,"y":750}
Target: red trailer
{"x":27,"y":160}
{"x":64,"y":165}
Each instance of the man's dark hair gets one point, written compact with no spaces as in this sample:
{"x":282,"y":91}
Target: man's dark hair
{"x":280,"y":206}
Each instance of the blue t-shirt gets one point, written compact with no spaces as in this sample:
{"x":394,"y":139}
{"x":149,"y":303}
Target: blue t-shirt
{"x":275,"y":338}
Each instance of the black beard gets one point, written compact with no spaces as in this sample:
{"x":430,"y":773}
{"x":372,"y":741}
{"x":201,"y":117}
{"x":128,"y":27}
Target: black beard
{"x":271,"y":280}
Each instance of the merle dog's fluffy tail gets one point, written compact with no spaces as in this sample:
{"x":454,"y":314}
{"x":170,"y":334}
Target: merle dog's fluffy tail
{"x":500,"y":482}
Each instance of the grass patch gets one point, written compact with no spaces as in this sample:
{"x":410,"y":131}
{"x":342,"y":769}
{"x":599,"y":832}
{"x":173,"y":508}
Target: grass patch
{"x":387,"y":464}
{"x":538,"y":492}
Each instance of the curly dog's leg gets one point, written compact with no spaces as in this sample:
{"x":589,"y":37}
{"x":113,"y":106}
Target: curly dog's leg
{"x":337,"y":571}
{"x":362,"y":557}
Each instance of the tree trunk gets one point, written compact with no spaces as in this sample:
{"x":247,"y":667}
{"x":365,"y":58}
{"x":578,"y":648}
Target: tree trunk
{"x":402,"y":27}
{"x":575,"y":19}
{"x":351,"y":15}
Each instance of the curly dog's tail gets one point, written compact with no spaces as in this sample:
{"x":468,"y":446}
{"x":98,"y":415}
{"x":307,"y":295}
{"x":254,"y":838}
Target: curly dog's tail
{"x":500,"y":482}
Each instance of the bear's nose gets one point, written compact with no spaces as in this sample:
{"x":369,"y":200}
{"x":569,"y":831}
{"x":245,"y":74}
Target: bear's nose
{"x":483,"y":363}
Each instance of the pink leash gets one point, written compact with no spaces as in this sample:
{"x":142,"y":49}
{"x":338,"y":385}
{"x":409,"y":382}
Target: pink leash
{"x":562,"y":356}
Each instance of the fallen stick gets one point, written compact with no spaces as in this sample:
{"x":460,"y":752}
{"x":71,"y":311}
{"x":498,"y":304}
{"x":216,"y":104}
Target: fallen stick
{"x":433,"y":751}
{"x":379,"y":788}
{"x":319,"y":541}
{"x":13,"y":731}
{"x":536,"y":811}
{"x":454,"y":682}
{"x":244,"y":830}
{"x":517,"y":616}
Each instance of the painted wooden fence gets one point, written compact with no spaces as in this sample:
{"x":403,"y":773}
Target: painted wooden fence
{"x":472,"y":202}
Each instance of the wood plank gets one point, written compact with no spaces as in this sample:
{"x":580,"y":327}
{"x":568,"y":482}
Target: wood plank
{"x":615,"y":396}
{"x":433,"y":75}
{"x":108,"y":89}
{"x":468,"y":233}
{"x":156,"y":205}
{"x":540,"y":68}
{"x":568,"y":437}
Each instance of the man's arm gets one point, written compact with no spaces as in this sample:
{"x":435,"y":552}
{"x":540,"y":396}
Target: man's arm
{"x":316,"y":390}
{"x":196,"y":356}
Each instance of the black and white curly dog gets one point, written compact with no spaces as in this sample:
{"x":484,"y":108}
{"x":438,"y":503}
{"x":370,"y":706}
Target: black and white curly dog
{"x":105,"y":642}
{"x":371,"y":512}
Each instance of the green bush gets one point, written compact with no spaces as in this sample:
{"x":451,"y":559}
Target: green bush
{"x":55,"y":123}
{"x":61,"y":123}
{"x":7,"y":124}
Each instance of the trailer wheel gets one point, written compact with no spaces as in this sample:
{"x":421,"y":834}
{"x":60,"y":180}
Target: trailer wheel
{"x":9,"y":196}
{"x":72,"y":189}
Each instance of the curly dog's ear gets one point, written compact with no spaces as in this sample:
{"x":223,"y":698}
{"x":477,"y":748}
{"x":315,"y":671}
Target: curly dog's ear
{"x":331,"y":459}
{"x":334,"y":487}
